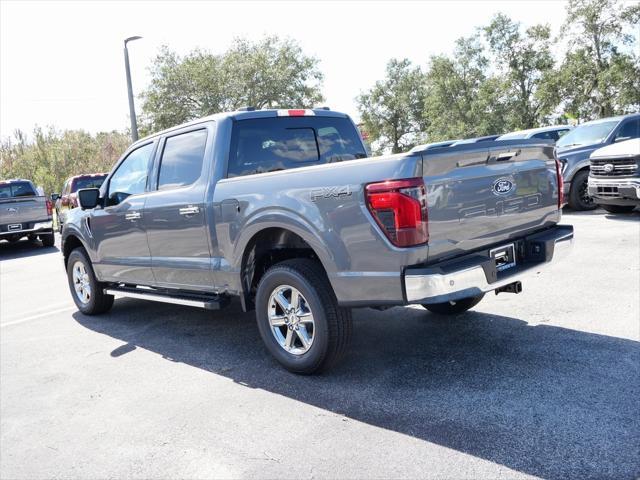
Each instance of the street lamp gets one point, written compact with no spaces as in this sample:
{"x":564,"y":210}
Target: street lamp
{"x":132,"y":108}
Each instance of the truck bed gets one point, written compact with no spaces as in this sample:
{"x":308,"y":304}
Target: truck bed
{"x":326,"y":205}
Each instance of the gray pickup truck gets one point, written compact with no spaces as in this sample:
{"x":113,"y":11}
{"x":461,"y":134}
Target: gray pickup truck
{"x":24,"y":212}
{"x":283,"y":209}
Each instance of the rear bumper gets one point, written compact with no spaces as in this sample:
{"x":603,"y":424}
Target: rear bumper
{"x":30,"y":228}
{"x":475,"y":274}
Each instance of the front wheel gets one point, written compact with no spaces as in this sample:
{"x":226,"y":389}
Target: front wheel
{"x":454,"y":307}
{"x":86,"y":291}
{"x":299,"y":318}
{"x":579,"y":198}
{"x":618,"y":208}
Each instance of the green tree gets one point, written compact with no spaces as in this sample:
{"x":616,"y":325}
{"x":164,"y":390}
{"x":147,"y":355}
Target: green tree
{"x":601,"y":70}
{"x":270,"y":73}
{"x":51,"y":156}
{"x":461,"y":99}
{"x":525,"y":62}
{"x":392,"y":109}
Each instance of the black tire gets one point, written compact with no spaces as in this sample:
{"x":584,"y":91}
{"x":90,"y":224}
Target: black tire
{"x":579,"y":198}
{"x":454,"y":307}
{"x":48,"y":239}
{"x":618,"y":208}
{"x":98,"y":302}
{"x":332,"y":325}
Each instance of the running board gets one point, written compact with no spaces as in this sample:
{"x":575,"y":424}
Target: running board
{"x":207,"y":302}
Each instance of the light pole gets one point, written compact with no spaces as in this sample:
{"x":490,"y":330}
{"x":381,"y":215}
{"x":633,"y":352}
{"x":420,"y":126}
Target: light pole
{"x":132,"y":107}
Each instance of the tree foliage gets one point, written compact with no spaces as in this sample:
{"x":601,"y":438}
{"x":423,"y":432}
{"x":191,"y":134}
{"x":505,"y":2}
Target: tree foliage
{"x":600,"y":74}
{"x":52,"y":156}
{"x":505,"y":78}
{"x":270,"y":73}
{"x":461,"y":100}
{"x":525,"y":62}
{"x":392,"y":109}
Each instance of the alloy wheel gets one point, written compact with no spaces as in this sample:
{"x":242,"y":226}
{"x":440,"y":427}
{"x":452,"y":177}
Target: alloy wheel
{"x":291,"y":320}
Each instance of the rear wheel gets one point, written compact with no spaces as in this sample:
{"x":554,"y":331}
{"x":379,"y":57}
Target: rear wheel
{"x":86,"y":291}
{"x":579,"y":198}
{"x":299,"y":318}
{"x":618,"y":208}
{"x":454,"y":307}
{"x":47,"y":239}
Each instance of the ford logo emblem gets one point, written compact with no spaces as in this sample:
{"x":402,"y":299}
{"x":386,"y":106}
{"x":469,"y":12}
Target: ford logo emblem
{"x":502,"y":186}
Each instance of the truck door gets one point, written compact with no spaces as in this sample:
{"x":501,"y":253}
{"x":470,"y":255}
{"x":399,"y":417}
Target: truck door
{"x":117,"y":229}
{"x":174,"y":215}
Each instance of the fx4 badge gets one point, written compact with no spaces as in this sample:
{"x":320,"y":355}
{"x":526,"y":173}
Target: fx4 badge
{"x":502,"y":186}
{"x":330,"y":192}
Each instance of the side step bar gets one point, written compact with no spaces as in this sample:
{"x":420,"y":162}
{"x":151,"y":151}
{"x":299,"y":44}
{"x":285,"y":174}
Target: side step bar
{"x":208,"y":302}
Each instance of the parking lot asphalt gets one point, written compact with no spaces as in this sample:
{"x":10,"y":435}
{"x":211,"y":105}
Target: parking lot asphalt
{"x":541,"y":384}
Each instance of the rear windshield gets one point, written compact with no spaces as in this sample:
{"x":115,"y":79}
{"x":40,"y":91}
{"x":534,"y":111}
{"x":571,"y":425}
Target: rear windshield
{"x":87,"y":182}
{"x":270,"y":144}
{"x":17,"y":189}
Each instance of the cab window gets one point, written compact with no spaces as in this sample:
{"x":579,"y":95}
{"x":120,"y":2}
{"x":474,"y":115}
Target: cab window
{"x":182,"y":159}
{"x":131,"y":176}
{"x":280,"y":143}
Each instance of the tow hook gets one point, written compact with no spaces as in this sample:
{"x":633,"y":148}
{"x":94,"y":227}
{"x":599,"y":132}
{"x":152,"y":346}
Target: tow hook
{"x":515,"y":287}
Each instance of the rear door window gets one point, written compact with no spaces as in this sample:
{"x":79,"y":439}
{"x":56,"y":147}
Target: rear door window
{"x":279,"y":143}
{"x":182,"y":159}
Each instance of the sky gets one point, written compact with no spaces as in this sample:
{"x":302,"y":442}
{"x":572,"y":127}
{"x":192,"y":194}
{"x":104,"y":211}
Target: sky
{"x":61,"y":63}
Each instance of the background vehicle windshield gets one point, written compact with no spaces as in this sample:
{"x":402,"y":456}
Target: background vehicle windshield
{"x":587,"y":134}
{"x":18,"y":189}
{"x":88,"y":182}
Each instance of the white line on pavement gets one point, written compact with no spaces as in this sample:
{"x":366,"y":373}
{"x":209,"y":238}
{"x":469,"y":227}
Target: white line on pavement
{"x":39,"y":315}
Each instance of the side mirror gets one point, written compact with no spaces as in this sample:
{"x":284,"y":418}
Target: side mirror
{"x":621,"y":139}
{"x":117,"y":197}
{"x":55,"y":196}
{"x":88,"y":198}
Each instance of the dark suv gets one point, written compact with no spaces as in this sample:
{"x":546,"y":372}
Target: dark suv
{"x":68,"y":199}
{"x":573,"y":151}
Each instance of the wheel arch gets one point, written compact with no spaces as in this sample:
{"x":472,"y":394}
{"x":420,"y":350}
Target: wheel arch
{"x":273,"y":244}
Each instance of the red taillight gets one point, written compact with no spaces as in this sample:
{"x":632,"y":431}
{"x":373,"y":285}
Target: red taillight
{"x":299,"y":112}
{"x":400,"y":209}
{"x":73,"y":199}
{"x":560,"y":183}
{"x":49,"y":207}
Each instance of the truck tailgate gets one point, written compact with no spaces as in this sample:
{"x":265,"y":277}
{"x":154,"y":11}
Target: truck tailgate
{"x":486,"y":195}
{"x":23,"y":210}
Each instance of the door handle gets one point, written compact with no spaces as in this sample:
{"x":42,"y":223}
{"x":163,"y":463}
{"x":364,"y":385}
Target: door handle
{"x":505,"y":156}
{"x":132,"y":216}
{"x":186,"y":211}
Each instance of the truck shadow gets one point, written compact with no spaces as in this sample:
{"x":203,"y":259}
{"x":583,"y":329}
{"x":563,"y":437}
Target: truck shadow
{"x":633,"y":216}
{"x":23,"y":248}
{"x":542,"y":400}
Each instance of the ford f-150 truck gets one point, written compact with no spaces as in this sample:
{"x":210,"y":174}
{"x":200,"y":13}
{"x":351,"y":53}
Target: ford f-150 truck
{"x":614,"y":177}
{"x":283,"y":209}
{"x":24,"y":212}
